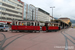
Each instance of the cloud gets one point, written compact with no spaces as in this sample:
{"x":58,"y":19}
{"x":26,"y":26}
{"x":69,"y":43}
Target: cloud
{"x":63,"y":8}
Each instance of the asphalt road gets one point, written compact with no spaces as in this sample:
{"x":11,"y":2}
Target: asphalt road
{"x":61,"y":40}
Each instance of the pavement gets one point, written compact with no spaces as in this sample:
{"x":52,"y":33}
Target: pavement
{"x":60,"y":40}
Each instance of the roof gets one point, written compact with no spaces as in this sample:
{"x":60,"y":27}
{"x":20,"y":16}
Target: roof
{"x":64,"y":18}
{"x":43,"y":11}
{"x":52,"y":22}
{"x":60,"y":21}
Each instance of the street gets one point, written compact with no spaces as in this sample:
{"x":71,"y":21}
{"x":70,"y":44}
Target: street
{"x":60,"y":40}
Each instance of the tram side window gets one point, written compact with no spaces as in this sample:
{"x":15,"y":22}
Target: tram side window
{"x":49,"y":24}
{"x":28,"y":23}
{"x":55,"y":24}
{"x":25,"y":23}
{"x":14,"y":23}
{"x":36,"y":24}
{"x":52,"y":24}
{"x":20,"y":23}
{"x":46,"y":24}
{"x":31,"y":23}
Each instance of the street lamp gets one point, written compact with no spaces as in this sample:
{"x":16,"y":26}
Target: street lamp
{"x":32,"y":14}
{"x":52,"y":11}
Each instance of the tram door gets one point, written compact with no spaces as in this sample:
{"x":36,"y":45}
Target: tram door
{"x":46,"y":24}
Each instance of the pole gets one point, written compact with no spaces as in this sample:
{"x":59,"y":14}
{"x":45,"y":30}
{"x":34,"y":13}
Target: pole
{"x":35,"y":14}
{"x":52,"y":12}
{"x":32,"y":14}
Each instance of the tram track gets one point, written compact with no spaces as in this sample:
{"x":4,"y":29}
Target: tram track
{"x":21,"y":35}
{"x":12,"y":41}
{"x":69,"y":35}
{"x":3,"y":41}
{"x":67,"y":38}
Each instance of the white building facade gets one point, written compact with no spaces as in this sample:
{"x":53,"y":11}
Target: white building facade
{"x":30,"y":12}
{"x":43,"y":15}
{"x":11,"y":10}
{"x":33,"y":13}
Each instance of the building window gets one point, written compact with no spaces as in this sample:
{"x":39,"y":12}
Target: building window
{"x":8,"y":6}
{"x":19,"y":6}
{"x":18,"y":9}
{"x":4,"y":0}
{"x":0,"y":13}
{"x":10,"y":2}
{"x":0,"y":3}
{"x":0,"y":8}
{"x":3,"y":9}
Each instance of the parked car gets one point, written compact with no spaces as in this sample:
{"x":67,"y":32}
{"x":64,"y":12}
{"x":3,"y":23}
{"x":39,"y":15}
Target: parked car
{"x":4,"y":27}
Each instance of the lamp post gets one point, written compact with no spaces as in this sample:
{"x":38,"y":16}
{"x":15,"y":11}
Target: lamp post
{"x":52,"y":11}
{"x":26,"y":15}
{"x":32,"y":14}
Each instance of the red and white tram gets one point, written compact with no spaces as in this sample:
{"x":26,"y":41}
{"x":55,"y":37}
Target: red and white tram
{"x":50,"y":26}
{"x":28,"y":26}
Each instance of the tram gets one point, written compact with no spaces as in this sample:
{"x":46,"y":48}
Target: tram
{"x":33,"y":26}
{"x":50,"y":26}
{"x":25,"y":25}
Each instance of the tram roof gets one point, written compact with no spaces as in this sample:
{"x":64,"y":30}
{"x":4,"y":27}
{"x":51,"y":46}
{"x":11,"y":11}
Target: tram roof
{"x":52,"y":22}
{"x":25,"y":21}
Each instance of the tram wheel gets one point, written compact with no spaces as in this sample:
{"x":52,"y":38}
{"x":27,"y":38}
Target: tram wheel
{"x":11,"y":30}
{"x":1,"y":29}
{"x":30,"y":31}
{"x":38,"y":31}
{"x":20,"y":31}
{"x":47,"y":30}
{"x":35,"y":31}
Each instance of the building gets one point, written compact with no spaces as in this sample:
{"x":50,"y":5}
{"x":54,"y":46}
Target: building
{"x":18,"y":10}
{"x":52,"y":18}
{"x":11,"y":10}
{"x":66,"y":20}
{"x":43,"y":15}
{"x":33,"y":13}
{"x":62,"y":24}
{"x":30,"y":12}
{"x":25,"y":11}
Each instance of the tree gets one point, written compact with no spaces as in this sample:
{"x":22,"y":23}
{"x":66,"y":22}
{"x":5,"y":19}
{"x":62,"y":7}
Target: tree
{"x":70,"y":23}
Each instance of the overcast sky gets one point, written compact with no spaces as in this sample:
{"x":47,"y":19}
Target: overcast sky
{"x":63,"y":8}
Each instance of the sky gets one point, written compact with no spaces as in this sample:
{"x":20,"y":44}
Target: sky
{"x":63,"y":8}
